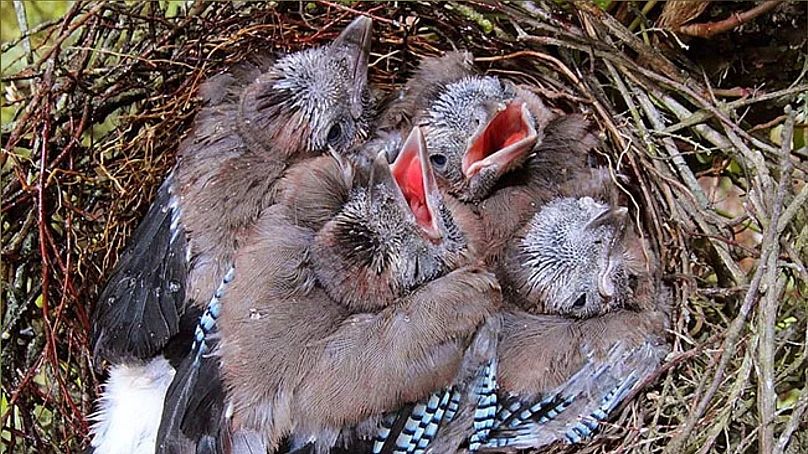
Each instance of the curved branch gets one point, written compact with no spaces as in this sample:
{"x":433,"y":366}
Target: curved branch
{"x":709,"y":29}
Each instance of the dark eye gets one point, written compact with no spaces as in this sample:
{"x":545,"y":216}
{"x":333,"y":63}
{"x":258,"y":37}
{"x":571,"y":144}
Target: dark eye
{"x":334,"y":134}
{"x":580,"y":302}
{"x":438,"y":160}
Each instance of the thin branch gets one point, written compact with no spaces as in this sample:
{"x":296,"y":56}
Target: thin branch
{"x":684,"y":171}
{"x":22,"y":23}
{"x":709,"y":29}
{"x":767,"y":317}
{"x":799,"y":410}
{"x":736,"y":327}
{"x":799,"y":202}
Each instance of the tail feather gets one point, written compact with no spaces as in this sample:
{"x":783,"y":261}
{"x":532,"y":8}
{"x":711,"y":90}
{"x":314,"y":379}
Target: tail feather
{"x":140,"y":308}
{"x":466,"y":409}
{"x":485,"y":413}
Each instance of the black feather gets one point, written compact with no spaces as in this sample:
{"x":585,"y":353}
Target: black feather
{"x":193,"y":409}
{"x":141,"y":305}
{"x":395,"y":426}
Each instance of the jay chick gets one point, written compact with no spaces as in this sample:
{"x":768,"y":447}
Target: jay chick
{"x":258,"y":119}
{"x":584,"y":324}
{"x":328,"y":323}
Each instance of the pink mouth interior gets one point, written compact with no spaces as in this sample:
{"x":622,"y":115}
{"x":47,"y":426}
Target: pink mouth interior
{"x":505,"y":129}
{"x":409,"y":177}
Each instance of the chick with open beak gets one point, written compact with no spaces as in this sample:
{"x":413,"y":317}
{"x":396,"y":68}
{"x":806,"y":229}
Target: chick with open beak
{"x":347,"y":315}
{"x":479,"y":129}
{"x":401,"y":225}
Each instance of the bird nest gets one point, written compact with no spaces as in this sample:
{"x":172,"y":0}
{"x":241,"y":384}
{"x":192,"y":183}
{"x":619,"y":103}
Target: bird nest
{"x":102,"y":97}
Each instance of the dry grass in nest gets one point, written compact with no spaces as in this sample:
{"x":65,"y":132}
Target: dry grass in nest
{"x":104,"y":102}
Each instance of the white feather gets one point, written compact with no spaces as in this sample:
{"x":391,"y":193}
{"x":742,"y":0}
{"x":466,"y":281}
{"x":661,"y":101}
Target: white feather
{"x":130,"y":408}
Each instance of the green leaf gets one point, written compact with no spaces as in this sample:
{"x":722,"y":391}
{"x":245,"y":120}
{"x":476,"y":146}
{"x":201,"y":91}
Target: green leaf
{"x":603,"y":4}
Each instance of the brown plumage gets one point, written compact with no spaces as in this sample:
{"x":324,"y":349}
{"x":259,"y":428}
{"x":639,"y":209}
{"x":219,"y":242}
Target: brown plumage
{"x":432,"y":74}
{"x":554,"y":343}
{"x":258,"y":119}
{"x":328,"y":323}
{"x":584,"y":324}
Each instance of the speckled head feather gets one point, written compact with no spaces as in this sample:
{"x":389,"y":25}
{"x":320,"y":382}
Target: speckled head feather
{"x":573,"y":258}
{"x":479,"y":128}
{"x":321,"y":92}
{"x":391,"y":236}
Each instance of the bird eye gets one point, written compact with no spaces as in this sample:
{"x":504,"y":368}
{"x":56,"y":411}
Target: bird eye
{"x":438,"y":160}
{"x":580,"y":302}
{"x":334,"y":133}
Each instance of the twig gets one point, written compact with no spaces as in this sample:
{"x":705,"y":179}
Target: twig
{"x":16,"y":241}
{"x":736,"y":391}
{"x":771,"y":301}
{"x":799,"y":202}
{"x":30,"y":32}
{"x":704,"y":115}
{"x":736,"y":327}
{"x":799,"y":410}
{"x":380,"y":19}
{"x":681,"y":166}
{"x":694,"y":189}
{"x":643,"y":132}
{"x":642,"y":16}
{"x":767,"y":124}
{"x":709,"y":29}
{"x":654,"y":58}
{"x":22,"y":23}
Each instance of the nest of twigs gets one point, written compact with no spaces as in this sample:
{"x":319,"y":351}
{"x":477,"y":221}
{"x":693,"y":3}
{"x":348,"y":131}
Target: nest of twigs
{"x":106,"y":93}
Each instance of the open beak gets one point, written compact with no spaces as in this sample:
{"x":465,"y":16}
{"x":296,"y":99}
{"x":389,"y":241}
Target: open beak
{"x":507,"y":138}
{"x":355,"y":41}
{"x":413,"y":175}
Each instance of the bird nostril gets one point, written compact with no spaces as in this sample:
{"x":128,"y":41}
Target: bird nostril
{"x":580,"y":302}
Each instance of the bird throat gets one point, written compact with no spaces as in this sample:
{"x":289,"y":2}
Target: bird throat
{"x":409,"y":177}
{"x":504,"y":130}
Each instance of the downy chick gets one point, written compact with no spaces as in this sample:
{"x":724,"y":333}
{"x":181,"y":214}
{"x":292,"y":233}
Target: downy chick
{"x":311,"y":192}
{"x":493,"y":145}
{"x":257,"y":121}
{"x":322,"y":329}
{"x":584,"y":324}
{"x":498,"y":148}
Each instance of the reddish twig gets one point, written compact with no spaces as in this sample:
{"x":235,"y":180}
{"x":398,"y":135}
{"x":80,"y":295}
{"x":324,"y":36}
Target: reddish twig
{"x":709,"y":29}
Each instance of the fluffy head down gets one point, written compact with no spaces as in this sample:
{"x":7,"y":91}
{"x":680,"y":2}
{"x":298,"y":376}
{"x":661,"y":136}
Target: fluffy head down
{"x":573,"y":258}
{"x":313,"y":99}
{"x":478,"y":129}
{"x":458,"y":113}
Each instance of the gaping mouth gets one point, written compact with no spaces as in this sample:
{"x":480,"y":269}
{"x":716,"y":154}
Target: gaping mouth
{"x":506,"y":138}
{"x":413,"y":175}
